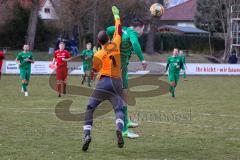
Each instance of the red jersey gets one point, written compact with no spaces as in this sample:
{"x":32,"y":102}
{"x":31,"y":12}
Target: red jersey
{"x":59,"y":55}
{"x":1,"y":57}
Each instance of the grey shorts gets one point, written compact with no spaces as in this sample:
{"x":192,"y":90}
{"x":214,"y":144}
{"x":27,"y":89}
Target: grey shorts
{"x":107,"y":88}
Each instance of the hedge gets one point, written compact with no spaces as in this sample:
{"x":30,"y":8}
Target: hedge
{"x":13,"y":33}
{"x":198,"y":43}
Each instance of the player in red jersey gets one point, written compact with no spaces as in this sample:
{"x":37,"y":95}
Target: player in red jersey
{"x":61,"y":57}
{"x":1,"y":62}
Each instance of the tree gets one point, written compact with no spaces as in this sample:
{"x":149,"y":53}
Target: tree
{"x":76,"y":13}
{"x":95,"y":22}
{"x":93,"y":15}
{"x":204,"y":18}
{"x":214,"y":13}
{"x":224,"y":15}
{"x":13,"y":32}
{"x":5,"y":11}
{"x":32,"y":24}
{"x":154,"y":22}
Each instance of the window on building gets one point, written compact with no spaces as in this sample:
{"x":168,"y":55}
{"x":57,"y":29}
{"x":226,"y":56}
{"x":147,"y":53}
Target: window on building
{"x":47,"y":10}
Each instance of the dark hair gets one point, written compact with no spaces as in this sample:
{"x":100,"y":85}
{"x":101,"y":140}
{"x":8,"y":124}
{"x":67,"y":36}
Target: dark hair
{"x":136,"y":22}
{"x":62,"y":43}
{"x":234,"y":52}
{"x":102,"y":37}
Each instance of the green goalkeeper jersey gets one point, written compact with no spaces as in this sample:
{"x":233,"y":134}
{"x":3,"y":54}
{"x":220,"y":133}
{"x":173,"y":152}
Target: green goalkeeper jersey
{"x":22,"y":58}
{"x":175,"y":64}
{"x":129,"y":42}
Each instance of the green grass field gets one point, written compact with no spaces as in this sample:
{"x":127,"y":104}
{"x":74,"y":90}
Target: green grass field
{"x":203,"y":122}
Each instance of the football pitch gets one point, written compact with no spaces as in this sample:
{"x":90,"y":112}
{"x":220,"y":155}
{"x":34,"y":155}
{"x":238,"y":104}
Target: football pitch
{"x":202,"y":122}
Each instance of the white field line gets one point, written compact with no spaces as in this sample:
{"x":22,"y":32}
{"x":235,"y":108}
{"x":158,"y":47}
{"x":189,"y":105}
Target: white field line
{"x":153,"y":122}
{"x":29,"y":110}
{"x":187,"y":112}
{"x":182,"y":123}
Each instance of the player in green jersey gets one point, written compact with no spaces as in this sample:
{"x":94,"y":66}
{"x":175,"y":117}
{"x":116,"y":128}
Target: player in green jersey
{"x":174,"y":65}
{"x":129,"y":45}
{"x":87,"y":56}
{"x":25,"y":59}
{"x":183,"y":57}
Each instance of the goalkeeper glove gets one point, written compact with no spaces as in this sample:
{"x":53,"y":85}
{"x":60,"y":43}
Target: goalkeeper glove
{"x":115,"y":12}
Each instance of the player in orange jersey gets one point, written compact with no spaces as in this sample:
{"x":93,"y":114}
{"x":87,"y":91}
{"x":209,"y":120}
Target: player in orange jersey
{"x":107,"y":63}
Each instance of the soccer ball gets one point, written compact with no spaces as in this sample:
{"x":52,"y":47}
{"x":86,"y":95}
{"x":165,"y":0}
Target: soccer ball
{"x":156,"y":10}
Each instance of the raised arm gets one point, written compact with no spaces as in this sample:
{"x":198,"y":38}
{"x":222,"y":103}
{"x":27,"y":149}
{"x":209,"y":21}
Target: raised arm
{"x":118,"y":31}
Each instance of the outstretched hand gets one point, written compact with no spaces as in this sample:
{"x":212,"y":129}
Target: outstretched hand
{"x":115,"y":12}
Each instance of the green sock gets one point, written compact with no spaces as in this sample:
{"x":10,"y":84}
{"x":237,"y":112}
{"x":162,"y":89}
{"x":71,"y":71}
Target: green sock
{"x":172,"y":90}
{"x":89,"y":80}
{"x":125,"y":110}
{"x":173,"y":93}
{"x":24,"y":86}
{"x":184,"y":75}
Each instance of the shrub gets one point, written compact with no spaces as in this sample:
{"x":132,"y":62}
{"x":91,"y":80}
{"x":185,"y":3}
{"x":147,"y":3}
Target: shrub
{"x":196,"y":43}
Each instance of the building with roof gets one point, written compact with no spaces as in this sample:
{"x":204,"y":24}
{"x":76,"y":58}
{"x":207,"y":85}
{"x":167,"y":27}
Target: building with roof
{"x":180,"y":19}
{"x":180,"y":15}
{"x":182,"y":30}
{"x":47,"y":9}
{"x":172,"y":3}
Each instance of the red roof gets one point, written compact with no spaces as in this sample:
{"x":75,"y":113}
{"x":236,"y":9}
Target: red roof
{"x":182,"y":12}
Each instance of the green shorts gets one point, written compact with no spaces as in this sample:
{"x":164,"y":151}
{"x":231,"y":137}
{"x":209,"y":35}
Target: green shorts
{"x":124,"y":63}
{"x":173,"y":77}
{"x":87,"y":68}
{"x":25,"y":74}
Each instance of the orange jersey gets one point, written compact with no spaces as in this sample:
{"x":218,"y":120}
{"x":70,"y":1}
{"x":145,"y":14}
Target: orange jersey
{"x":107,"y":61}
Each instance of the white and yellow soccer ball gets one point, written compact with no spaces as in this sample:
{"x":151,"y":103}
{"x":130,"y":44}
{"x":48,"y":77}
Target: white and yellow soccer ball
{"x":157,"y":10}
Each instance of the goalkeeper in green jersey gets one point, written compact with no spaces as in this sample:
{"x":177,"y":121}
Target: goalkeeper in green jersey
{"x":183,"y":57}
{"x":24,"y":59}
{"x":129,"y":45}
{"x":87,"y":56}
{"x":174,"y":65}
